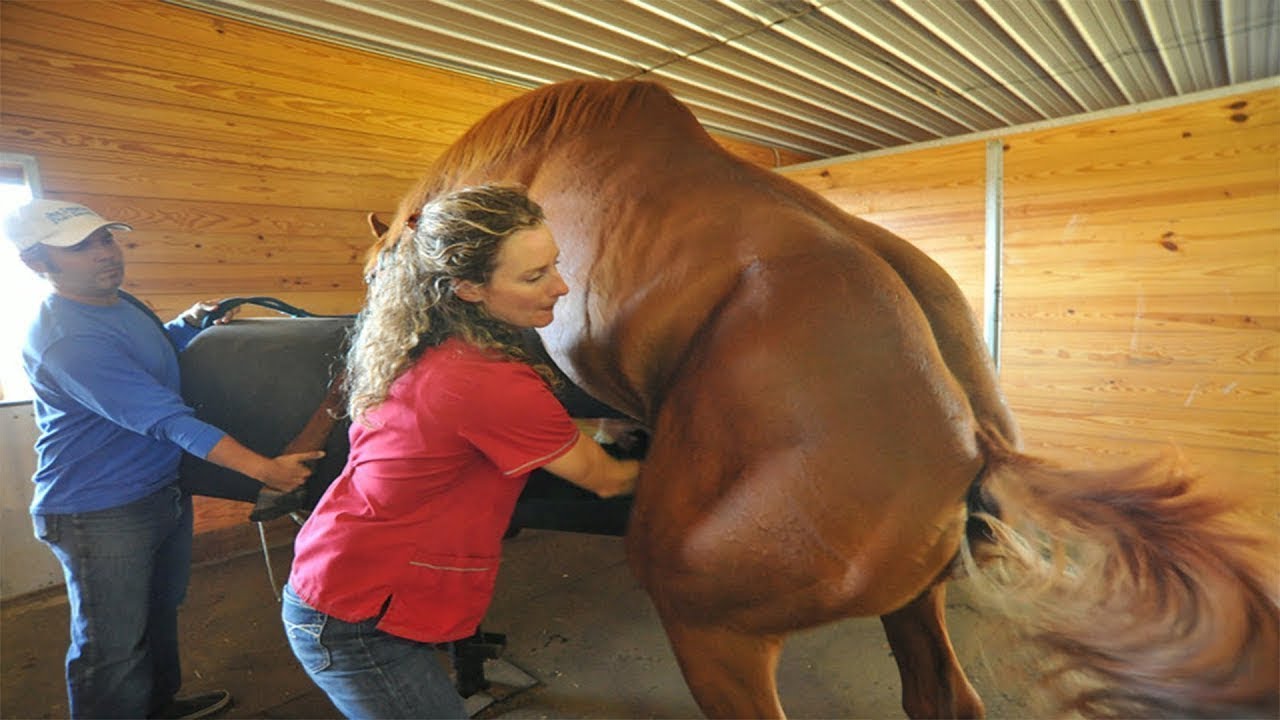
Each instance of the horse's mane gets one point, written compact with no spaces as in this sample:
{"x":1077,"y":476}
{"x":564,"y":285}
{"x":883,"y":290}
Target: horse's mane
{"x":538,"y":118}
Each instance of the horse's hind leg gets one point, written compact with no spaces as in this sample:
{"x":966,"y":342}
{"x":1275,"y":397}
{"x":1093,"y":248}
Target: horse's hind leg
{"x":730,"y":674}
{"x":933,"y":685}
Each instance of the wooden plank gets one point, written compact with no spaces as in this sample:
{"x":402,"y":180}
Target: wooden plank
{"x":240,"y":249}
{"x":962,"y":224}
{"x":214,"y":47}
{"x":1254,"y":475}
{"x":66,"y":174}
{"x":1169,"y":312}
{"x":255,"y":221}
{"x":1063,"y":442}
{"x":1119,"y":276}
{"x":103,"y":123}
{"x":1139,"y":388}
{"x":1062,"y":206}
{"x":1215,"y":131}
{"x":1192,"y":426}
{"x":328,"y":302}
{"x":92,"y":102}
{"x":137,"y":43}
{"x":1077,"y":170}
{"x":963,"y":163}
{"x":952,"y":176}
{"x":54,"y":139}
{"x":1228,"y":349}
{"x":201,"y":280}
{"x":1138,"y":221}
{"x":1144,"y":250}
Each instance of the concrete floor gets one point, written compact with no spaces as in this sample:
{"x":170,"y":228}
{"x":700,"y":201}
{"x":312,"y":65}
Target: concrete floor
{"x":574,"y":617}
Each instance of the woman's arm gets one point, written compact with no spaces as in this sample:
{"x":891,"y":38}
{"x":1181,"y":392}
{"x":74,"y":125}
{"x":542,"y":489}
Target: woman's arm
{"x":587,"y":465}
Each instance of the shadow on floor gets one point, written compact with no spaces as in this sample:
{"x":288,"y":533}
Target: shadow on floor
{"x":574,"y":618}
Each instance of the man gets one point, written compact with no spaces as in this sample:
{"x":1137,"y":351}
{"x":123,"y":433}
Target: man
{"x":112,"y":431}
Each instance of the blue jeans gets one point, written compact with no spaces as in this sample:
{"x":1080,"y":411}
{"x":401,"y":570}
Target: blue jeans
{"x":368,"y":673}
{"x":126,"y":570}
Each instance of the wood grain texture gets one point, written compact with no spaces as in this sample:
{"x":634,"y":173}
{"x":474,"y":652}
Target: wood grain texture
{"x":245,"y":158}
{"x":934,"y":197}
{"x":1141,"y":274}
{"x":1142,"y":300}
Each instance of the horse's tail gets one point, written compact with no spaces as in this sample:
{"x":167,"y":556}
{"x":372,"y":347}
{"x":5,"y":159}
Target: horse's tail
{"x":1142,"y":596}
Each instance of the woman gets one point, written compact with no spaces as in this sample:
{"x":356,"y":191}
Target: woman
{"x":449,"y":418}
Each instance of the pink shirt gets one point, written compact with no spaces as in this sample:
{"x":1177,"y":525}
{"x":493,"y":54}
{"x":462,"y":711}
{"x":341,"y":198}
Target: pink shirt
{"x":418,"y":513}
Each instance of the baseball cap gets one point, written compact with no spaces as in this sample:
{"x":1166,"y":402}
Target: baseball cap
{"x":55,"y":223}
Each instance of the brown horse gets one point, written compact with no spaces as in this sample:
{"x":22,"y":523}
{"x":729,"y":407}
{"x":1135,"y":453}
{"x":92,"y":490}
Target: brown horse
{"x":829,"y":440}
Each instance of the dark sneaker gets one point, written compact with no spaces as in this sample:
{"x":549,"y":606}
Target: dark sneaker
{"x":195,"y":706}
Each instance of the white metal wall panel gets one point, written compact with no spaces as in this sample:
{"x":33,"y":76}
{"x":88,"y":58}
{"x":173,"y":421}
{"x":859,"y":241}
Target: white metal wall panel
{"x":1045,"y":33}
{"x":1251,"y":32}
{"x":1184,"y":50}
{"x":1119,"y":38}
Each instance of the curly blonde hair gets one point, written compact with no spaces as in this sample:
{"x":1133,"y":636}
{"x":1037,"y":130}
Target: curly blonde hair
{"x":411,"y":305}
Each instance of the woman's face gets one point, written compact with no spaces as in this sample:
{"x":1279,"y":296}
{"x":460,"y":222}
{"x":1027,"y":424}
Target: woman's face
{"x":525,"y":283}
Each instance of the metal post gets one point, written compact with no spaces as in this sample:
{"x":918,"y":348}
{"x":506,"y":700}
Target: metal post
{"x":992,"y":287}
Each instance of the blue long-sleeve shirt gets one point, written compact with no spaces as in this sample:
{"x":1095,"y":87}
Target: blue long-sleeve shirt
{"x":112,"y":422}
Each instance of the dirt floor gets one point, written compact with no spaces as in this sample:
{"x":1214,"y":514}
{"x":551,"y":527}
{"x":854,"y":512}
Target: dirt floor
{"x":575,"y":620}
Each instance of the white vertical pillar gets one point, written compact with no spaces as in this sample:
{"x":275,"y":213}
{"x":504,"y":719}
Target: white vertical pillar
{"x":992,"y":288}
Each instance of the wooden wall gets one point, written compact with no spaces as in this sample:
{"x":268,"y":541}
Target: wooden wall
{"x":1141,"y":305}
{"x":933,"y":197}
{"x":246,"y":159}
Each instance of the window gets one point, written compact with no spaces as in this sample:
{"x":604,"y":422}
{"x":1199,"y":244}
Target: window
{"x":20,"y":289}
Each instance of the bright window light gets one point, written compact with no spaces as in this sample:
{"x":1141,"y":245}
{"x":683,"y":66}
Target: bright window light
{"x":22,"y":291}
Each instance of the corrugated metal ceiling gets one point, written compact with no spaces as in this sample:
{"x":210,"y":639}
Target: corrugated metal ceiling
{"x":825,"y":77}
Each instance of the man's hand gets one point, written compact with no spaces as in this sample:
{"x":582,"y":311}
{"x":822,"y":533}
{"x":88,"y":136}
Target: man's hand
{"x":282,"y":473}
{"x":286,"y":472}
{"x":195,"y":315}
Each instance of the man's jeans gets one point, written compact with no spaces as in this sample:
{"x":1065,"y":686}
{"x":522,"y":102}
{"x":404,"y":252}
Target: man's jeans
{"x":126,"y":570}
{"x":366,"y":672}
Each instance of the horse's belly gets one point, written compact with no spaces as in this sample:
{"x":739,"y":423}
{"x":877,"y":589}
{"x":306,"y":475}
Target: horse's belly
{"x":774,"y":552}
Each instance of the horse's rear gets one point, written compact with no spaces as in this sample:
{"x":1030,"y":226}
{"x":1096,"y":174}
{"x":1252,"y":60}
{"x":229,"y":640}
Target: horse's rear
{"x":812,"y":447}
{"x":796,"y":487}
{"x":824,"y":416}
{"x":828,"y":434}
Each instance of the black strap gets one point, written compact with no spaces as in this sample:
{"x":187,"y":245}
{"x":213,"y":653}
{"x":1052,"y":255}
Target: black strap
{"x":225,"y":305}
{"x":146,"y":310}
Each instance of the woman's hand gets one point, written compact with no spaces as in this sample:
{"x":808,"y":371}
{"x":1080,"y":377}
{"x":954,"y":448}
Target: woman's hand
{"x":588,"y":466}
{"x":625,"y":434}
